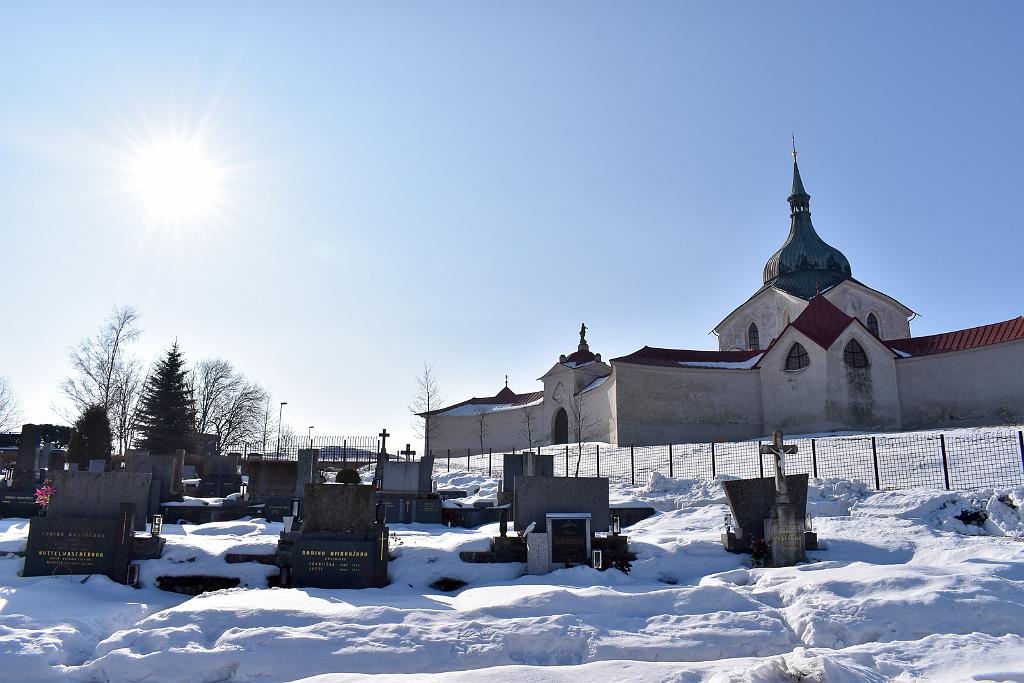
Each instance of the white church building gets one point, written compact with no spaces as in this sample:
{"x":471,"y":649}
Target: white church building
{"x":813,"y":350}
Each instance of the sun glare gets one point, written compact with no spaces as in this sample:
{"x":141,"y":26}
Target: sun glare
{"x":175,"y":180}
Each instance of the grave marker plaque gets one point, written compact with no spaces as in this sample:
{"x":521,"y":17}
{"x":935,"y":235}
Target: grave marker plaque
{"x":331,"y":563}
{"x":570,"y":539}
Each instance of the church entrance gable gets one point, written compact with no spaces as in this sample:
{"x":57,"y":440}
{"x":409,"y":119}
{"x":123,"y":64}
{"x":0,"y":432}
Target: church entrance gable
{"x":560,"y":428}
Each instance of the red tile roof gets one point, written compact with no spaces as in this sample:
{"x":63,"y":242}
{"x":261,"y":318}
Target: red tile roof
{"x":1008,"y":330}
{"x":822,"y":321}
{"x":672,"y":358}
{"x":505,"y":397}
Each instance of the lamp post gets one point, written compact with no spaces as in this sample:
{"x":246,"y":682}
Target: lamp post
{"x":311,"y":428}
{"x":280,"y":411}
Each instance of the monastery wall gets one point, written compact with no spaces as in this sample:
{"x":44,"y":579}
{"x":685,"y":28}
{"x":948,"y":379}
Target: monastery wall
{"x":768,"y":310}
{"x":858,"y":302}
{"x":979,"y":386}
{"x":503,"y":432}
{"x":658,"y":405}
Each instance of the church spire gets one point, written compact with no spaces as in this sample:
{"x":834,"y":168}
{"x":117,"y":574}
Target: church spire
{"x":798,"y":200}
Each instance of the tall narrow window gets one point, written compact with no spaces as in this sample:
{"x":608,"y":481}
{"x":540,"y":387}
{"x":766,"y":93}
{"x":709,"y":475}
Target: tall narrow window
{"x":854,"y":354}
{"x":753,"y":338}
{"x":872,"y":325}
{"x":797,"y":358}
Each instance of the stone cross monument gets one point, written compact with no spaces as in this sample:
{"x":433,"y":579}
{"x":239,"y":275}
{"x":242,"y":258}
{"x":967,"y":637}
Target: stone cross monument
{"x":783,"y":530}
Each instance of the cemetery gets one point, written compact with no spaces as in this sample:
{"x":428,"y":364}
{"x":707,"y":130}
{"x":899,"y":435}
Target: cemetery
{"x":396,"y":532}
{"x":240,"y":238}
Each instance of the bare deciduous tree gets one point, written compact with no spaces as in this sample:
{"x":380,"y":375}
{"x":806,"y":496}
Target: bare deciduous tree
{"x":267,"y":428}
{"x":480,"y":419}
{"x":582,"y":423}
{"x":227,"y":403}
{"x":105,"y":373}
{"x":425,"y":402}
{"x":10,"y":409}
{"x":529,"y":424}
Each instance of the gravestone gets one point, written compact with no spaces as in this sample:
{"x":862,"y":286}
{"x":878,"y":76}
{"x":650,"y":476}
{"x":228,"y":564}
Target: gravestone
{"x":90,"y":524}
{"x":220,"y":478}
{"x":26,"y":467}
{"x":518,"y":465}
{"x":19,"y":499}
{"x":570,"y":537}
{"x":100,"y":494}
{"x":406,"y":490}
{"x":166,"y":474}
{"x":272,"y":484}
{"x":538,"y":553}
{"x":535,"y":497}
{"x":98,"y":465}
{"x":343,"y":542}
{"x":348,"y":476}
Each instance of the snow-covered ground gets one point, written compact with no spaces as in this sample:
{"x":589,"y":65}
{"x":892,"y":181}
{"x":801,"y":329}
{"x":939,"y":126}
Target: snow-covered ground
{"x":900,"y":591}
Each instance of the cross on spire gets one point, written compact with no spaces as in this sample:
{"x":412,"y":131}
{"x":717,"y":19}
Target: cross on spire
{"x":793,"y":138}
{"x":506,"y":380}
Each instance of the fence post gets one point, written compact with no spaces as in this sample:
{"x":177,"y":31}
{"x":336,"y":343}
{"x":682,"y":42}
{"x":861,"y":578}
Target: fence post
{"x":488,"y":462}
{"x":760,"y":460}
{"x":1020,"y":440}
{"x":567,"y":460}
{"x":814,"y":460}
{"x":469,"y":467}
{"x":714,"y":465}
{"x":344,"y":451}
{"x":874,"y":458}
{"x":670,"y":474}
{"x":632,"y":466}
{"x":945,"y":461}
{"x":449,"y":460}
{"x":598,"y":458}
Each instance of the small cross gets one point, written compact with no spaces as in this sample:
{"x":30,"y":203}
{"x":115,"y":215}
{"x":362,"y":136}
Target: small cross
{"x":383,"y":439}
{"x":793,"y":137}
{"x":506,"y":381}
{"x":407,"y":453}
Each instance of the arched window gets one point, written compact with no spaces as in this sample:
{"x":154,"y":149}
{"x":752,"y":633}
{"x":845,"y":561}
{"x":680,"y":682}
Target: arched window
{"x":797,"y":358}
{"x":854,"y":354}
{"x":753,"y":338}
{"x":872,"y":325}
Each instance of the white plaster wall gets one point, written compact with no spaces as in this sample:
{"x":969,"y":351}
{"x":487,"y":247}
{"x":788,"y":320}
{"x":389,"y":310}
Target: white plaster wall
{"x":828,"y":395}
{"x":858,"y":301}
{"x":560,"y":384}
{"x":768,"y":310}
{"x":459,"y":432}
{"x":657,"y":405}
{"x":980,"y":386}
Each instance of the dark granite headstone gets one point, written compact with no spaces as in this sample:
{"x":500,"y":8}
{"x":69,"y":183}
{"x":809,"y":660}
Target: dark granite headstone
{"x":272,"y":478}
{"x":25,"y":467}
{"x":570,"y":540}
{"x":514,"y":465}
{"x":339,"y":507}
{"x":20,"y":502}
{"x":100,"y":494}
{"x":751,"y":502}
{"x":165,"y":469}
{"x":61,"y":545}
{"x":535,"y":497}
{"x":276,"y":508}
{"x":341,"y":543}
{"x":339,"y":563}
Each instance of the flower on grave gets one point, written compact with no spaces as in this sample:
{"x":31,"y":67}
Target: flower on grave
{"x":44,"y":493}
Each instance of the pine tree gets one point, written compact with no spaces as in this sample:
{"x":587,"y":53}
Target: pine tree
{"x":166,"y":410}
{"x":91,"y":438}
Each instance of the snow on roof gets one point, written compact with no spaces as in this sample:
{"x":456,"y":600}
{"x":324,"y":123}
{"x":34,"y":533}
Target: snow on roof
{"x":595,"y":384}
{"x":725,"y":365}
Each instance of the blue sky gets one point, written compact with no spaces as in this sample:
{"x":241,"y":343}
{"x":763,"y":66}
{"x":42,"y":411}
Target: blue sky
{"x":464,"y":183}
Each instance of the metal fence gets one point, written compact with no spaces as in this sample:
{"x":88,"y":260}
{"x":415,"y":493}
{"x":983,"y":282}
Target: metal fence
{"x":332,"y":448}
{"x":957,"y":459}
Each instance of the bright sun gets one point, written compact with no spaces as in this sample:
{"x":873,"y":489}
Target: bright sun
{"x":176,"y":181}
